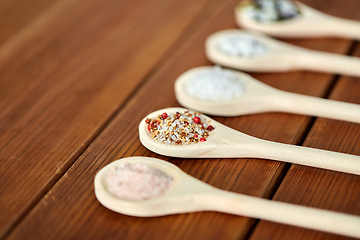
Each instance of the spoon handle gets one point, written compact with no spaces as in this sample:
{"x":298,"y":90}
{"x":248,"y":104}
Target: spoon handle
{"x":313,"y":106}
{"x":285,"y":213}
{"x":329,"y":62}
{"x":341,"y":27}
{"x":305,"y":156}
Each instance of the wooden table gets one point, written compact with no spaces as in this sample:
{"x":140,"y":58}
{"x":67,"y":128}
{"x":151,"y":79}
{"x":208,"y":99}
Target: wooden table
{"x":77,"y":76}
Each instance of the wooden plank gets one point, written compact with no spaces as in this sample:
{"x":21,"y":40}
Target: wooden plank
{"x":70,"y":209}
{"x":17,"y":14}
{"x":319,"y":188}
{"x":64,"y":76}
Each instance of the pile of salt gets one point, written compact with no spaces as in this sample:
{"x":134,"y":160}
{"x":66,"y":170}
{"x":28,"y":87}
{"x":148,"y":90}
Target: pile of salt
{"x":215,"y":84}
{"x":241,"y":45}
{"x":271,"y":10}
{"x":137,"y":181}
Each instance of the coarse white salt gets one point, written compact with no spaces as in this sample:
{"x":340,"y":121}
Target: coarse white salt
{"x":241,"y":45}
{"x":135,"y":181}
{"x":271,"y":10}
{"x":215,"y":84}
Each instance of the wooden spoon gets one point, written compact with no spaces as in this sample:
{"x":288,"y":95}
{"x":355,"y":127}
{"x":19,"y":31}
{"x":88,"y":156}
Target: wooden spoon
{"x":188,"y":194}
{"x":225,"y":142}
{"x":259,"y":97}
{"x":310,"y":23}
{"x":280,"y":56}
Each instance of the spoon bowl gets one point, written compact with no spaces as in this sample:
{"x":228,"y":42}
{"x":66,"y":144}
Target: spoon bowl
{"x":154,"y":207}
{"x":188,"y":194}
{"x":280,"y":56}
{"x":224,"y":142}
{"x":259,"y":97}
{"x":309,"y":23}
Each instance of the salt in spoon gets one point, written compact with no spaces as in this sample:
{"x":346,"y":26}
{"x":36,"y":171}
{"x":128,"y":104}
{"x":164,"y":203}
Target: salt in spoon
{"x":279,"y":56}
{"x":225,"y":142}
{"x":258,"y":98}
{"x":188,"y":194}
{"x":309,"y":23}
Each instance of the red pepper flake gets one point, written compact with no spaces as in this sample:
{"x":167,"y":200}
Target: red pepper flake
{"x":164,"y":115}
{"x":149,"y":128}
{"x":210,"y":128}
{"x":202,"y":139}
{"x":197,"y":120}
{"x":177,"y":115}
{"x":195,"y":136}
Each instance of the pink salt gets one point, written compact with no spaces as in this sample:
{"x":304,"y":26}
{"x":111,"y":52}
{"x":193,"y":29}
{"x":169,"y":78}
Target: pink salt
{"x":135,"y":181}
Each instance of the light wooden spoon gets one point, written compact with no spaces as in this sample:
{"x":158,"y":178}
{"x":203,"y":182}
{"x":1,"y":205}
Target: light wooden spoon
{"x":280,"y":56}
{"x":225,"y":142}
{"x":259,"y":97}
{"x":310,"y":23}
{"x":188,"y":194}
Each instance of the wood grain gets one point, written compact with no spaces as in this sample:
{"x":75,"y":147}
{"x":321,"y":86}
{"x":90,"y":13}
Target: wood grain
{"x":16,"y":15}
{"x":70,"y":210}
{"x":318,"y":188}
{"x":62,"y":79}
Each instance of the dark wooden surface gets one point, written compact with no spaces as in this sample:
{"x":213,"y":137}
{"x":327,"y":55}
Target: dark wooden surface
{"x":76,"y":77}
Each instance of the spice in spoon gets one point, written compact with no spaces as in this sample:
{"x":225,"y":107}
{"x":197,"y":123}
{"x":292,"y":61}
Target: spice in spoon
{"x":214,"y":85}
{"x":270,"y":10}
{"x":135,"y":181}
{"x":241,"y":45}
{"x":179,"y":128}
